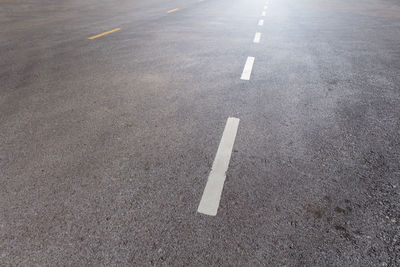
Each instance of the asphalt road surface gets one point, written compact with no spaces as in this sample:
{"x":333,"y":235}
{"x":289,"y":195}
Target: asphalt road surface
{"x":196,"y":133}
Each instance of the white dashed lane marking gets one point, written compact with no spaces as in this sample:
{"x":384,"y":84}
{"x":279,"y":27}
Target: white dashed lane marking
{"x":257,"y":37}
{"x":209,"y":202}
{"x":247,"y":69}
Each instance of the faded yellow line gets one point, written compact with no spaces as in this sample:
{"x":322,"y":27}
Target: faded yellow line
{"x":173,"y":10}
{"x":104,"y":33}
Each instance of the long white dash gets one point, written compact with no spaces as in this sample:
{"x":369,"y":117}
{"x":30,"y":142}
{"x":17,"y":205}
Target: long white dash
{"x":265,"y":7}
{"x":209,"y":202}
{"x":257,"y":37}
{"x":263,"y":14}
{"x":260,"y":22}
{"x":247,"y":69}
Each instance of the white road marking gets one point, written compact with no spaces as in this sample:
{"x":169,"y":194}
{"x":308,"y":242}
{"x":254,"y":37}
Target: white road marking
{"x":260,"y":22}
{"x":265,"y":7}
{"x":247,"y":69}
{"x":209,"y":202}
{"x":257,"y":37}
{"x":263,"y":14}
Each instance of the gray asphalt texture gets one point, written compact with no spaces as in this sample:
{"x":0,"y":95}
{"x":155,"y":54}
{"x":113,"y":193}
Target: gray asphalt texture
{"x":106,"y":144}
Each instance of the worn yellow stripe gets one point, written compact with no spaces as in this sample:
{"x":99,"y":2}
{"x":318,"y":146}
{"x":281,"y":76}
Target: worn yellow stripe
{"x":104,"y":33}
{"x":173,"y":10}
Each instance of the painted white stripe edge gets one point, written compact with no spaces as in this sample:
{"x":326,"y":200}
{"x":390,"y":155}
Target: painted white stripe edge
{"x":260,"y":22}
{"x":247,"y":69}
{"x":209,"y":202}
{"x":257,"y":37}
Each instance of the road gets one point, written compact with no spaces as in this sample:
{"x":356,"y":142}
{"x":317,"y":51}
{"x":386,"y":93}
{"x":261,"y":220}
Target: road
{"x":119,"y":118}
